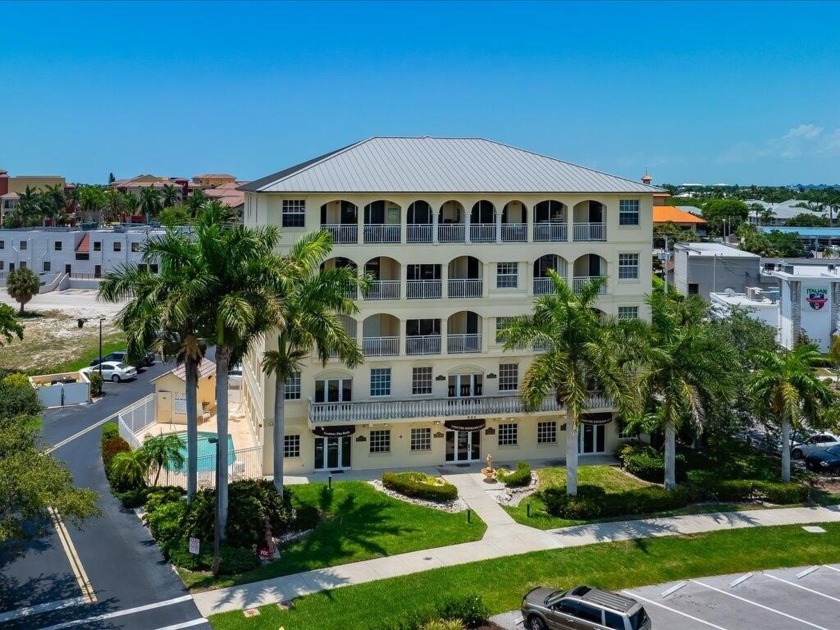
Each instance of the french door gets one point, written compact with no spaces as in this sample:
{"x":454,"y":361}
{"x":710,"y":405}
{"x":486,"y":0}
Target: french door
{"x":332,"y":452}
{"x":591,"y":439}
{"x":463,"y":446}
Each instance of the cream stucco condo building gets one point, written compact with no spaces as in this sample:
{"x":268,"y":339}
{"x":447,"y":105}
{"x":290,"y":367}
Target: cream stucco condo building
{"x":459,"y":234}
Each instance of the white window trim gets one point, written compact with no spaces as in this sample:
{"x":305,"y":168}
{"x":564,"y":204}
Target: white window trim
{"x":638,"y":267}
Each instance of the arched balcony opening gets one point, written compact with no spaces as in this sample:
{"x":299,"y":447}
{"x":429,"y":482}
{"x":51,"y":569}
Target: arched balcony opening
{"x":590,"y":221}
{"x":340,"y":262}
{"x":588,"y":267}
{"x":423,"y":282}
{"x":483,"y":222}
{"x":381,"y":336}
{"x":451,"y":219}
{"x":385,"y":275}
{"x":382,"y":222}
{"x":551,"y":220}
{"x":463,"y":333}
{"x":514,"y":222}
{"x":422,"y":336}
{"x":466,"y":275}
{"x":419,"y":222}
{"x":341,"y":219}
{"x":542,"y":265}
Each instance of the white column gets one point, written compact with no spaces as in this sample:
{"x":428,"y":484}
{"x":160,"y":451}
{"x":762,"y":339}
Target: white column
{"x":402,"y":338}
{"x":444,"y":280}
{"x":498,"y":226}
{"x":444,"y":335}
{"x":467,"y":218}
{"x":435,"y":220}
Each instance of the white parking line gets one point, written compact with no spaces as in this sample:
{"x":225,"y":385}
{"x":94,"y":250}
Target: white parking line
{"x":752,"y":603}
{"x":828,"y":566}
{"x":673,"y":610}
{"x":120,"y":613}
{"x":186,"y":624}
{"x":37,"y":609}
{"x":804,"y":588}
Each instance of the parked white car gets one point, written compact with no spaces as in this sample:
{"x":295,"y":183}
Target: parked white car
{"x":818,"y":442}
{"x":114,"y":371}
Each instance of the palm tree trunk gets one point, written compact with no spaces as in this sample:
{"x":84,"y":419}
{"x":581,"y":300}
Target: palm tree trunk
{"x":785,"y":448}
{"x":222,"y":367}
{"x":670,"y":456}
{"x":191,"y":369}
{"x":279,"y":430}
{"x":571,"y":456}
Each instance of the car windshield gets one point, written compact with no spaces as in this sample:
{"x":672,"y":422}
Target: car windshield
{"x":638,"y":619}
{"x":555,"y":597}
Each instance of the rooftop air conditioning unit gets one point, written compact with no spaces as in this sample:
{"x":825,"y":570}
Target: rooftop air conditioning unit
{"x":754,"y":293}
{"x":831,"y":268}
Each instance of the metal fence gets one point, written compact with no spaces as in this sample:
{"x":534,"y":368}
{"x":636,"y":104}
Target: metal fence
{"x":244,"y":463}
{"x":134,"y":418}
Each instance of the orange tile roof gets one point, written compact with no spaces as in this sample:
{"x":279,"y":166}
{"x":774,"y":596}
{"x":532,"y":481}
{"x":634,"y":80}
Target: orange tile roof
{"x":84,"y":245}
{"x":664,"y":214}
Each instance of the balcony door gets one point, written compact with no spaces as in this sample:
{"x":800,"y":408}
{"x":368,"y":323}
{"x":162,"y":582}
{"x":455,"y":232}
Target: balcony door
{"x":334,"y":390}
{"x":592,"y":439}
{"x":463,"y":446}
{"x":465,"y":385}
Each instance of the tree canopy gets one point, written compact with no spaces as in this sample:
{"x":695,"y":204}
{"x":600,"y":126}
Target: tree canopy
{"x":22,"y":284}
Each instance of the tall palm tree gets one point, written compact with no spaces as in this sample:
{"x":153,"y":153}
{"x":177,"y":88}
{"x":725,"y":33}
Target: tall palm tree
{"x":91,"y":199}
{"x":22,"y":285}
{"x":53,"y":200}
{"x":195,"y":202}
{"x":170,"y":195}
{"x":29,"y":206}
{"x":786,"y":387}
{"x":150,"y":201}
{"x":131,"y":468}
{"x":580,"y":357}
{"x":682,"y":369}
{"x":310,"y":301}
{"x":114,"y":204}
{"x":164,"y":451}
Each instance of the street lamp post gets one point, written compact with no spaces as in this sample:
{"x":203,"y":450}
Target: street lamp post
{"x":217,"y":528}
{"x":82,"y":321}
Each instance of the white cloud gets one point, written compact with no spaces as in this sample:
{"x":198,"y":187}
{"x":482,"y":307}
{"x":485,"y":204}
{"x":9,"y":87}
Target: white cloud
{"x":803,"y":131}
{"x":804,"y":139}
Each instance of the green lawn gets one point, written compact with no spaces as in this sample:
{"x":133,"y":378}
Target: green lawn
{"x":363,"y":523}
{"x":503,"y":581}
{"x":110,"y":343}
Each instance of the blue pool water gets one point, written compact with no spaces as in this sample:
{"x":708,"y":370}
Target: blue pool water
{"x":206,"y":451}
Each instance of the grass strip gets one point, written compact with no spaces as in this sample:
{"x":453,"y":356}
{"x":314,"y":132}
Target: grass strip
{"x":502,"y":582}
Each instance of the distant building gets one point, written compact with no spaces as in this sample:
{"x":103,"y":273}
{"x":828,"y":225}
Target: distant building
{"x":704,"y":268}
{"x":221,"y":187}
{"x":778,"y":214}
{"x":813,"y":237}
{"x":760,"y":304}
{"x":12,"y":187}
{"x":214,"y":179}
{"x":663,"y":215}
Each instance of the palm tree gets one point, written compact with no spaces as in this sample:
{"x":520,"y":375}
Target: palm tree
{"x":683,"y":369}
{"x":131,"y":468}
{"x":786,"y":387}
{"x":196,"y":201}
{"x":114,"y":204}
{"x":150,"y":201}
{"x":311,"y":300}
{"x":580,"y":357}
{"x":164,"y":451}
{"x":22,"y":284}
{"x":29,"y":206}
{"x":91,"y":199}
{"x":53,"y":200}
{"x":170,"y":195}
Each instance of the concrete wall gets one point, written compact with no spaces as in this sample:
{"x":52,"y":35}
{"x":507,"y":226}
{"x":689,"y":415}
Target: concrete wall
{"x":714,"y":274}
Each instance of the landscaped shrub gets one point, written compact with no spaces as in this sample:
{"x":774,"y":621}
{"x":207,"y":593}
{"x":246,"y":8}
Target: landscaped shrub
{"x":593,"y":502}
{"x":470,"y":609}
{"x":133,"y":498}
{"x":443,"y":624}
{"x":231,"y":559}
{"x":96,"y":381}
{"x":306,"y":517}
{"x":110,"y":448}
{"x":162,"y":495}
{"x":647,"y":463}
{"x":519,"y":477}
{"x":734,"y":490}
{"x":783,"y":493}
{"x":420,"y":486}
{"x":110,"y":430}
{"x":165,"y":523}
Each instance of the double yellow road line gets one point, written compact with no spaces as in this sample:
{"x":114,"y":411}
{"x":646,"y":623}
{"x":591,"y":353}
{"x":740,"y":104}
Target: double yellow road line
{"x":82,"y":580}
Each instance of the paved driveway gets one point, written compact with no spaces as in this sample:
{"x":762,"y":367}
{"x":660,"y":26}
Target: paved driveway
{"x":781,"y":599}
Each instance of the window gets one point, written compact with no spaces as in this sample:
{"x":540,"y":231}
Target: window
{"x":693,"y":289}
{"x":58,"y":246}
{"x":2,"y":265}
{"x":547,"y":432}
{"x":117,"y":247}
{"x":23,"y":264}
{"x":380,"y":441}
{"x":135,"y":248}
{"x":82,"y":256}
{"x":421,"y":439}
{"x":294,"y":213}
{"x":2,"y":244}
{"x":508,"y":377}
{"x":624,"y":433}
{"x":628,"y":312}
{"x":501,"y":324}
{"x":97,"y":246}
{"x":293,"y":387}
{"x":334,"y":390}
{"x":588,"y":613}
{"x":506,"y":275}
{"x":24,"y":245}
{"x":291,"y":446}
{"x":380,"y":382}
{"x":47,"y":266}
{"x":421,"y":380}
{"x":508,"y":434}
{"x":614,"y":621}
{"x":628,"y":212}
{"x":153,"y":268}
{"x":628,"y":266}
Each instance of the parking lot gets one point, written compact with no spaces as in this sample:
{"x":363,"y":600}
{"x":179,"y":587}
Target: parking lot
{"x":781,"y":599}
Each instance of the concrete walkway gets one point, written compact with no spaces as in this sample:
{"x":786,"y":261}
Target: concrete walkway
{"x":504,"y":537}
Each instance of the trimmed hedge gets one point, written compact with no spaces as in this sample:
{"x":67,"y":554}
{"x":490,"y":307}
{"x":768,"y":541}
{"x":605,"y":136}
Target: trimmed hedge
{"x":783,"y":493}
{"x":110,"y":430}
{"x":231,"y":559}
{"x":593,"y":502}
{"x":470,"y":611}
{"x":416,"y":485}
{"x":110,"y":448}
{"x":518,"y":478}
{"x":645,"y":462}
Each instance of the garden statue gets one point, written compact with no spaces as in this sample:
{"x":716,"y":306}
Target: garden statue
{"x":488,"y":472}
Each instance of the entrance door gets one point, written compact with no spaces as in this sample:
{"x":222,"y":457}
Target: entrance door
{"x":463,"y":446}
{"x":332,"y":452}
{"x":591,"y":439}
{"x":67,"y":269}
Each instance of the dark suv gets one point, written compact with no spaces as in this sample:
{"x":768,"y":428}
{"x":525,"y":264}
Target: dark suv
{"x":120,"y":356}
{"x":582,"y":608}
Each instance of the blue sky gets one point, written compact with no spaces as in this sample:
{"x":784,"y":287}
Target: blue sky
{"x":719,"y":92}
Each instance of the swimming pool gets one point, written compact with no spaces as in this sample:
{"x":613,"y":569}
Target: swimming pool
{"x":206,"y":451}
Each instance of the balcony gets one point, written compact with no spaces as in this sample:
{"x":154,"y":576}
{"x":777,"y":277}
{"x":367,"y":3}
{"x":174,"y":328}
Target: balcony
{"x":465,"y":288}
{"x":483,"y":233}
{"x":551,"y":233}
{"x":422,"y":344}
{"x":325,"y":413}
{"x":342,"y":233}
{"x":451,"y":233}
{"x":579,"y":281}
{"x":382,"y":234}
{"x":424,"y":289}
{"x":590,"y":232}
{"x":381,"y":346}
{"x":419,"y":233}
{"x":383,"y":290}
{"x":463,"y":344}
{"x":514,"y":232}
{"x":543,"y":286}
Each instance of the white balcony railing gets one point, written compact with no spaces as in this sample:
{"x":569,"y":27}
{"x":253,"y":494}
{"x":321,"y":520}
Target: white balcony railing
{"x":550,"y":232}
{"x":590,"y":231}
{"x":463,"y":344}
{"x":422,"y":344}
{"x":324,"y":413}
{"x":382,"y":234}
{"x":465,"y":288}
{"x":383,"y":290}
{"x":514,"y":232}
{"x":579,"y":281}
{"x":451,"y":233}
{"x":424,"y":289}
{"x":483,"y":233}
{"x":341,"y":233}
{"x":381,"y":346}
{"x":419,"y":233}
{"x":543,"y":286}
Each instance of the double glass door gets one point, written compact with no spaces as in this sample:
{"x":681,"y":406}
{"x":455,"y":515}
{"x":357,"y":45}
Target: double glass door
{"x":591,"y":439}
{"x":463,"y":446}
{"x":332,"y":452}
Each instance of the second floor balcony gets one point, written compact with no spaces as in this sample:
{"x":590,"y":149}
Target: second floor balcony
{"x":381,"y":346}
{"x":422,"y":344}
{"x":383,"y":290}
{"x":465,"y":288}
{"x":342,"y":233}
{"x":424,"y":289}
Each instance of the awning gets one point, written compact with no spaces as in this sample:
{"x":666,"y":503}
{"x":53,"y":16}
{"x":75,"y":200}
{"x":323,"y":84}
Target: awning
{"x":336,"y":431}
{"x":596,"y":418}
{"x":465,"y":425}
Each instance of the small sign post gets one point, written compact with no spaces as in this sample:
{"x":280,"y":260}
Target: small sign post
{"x":194,"y":545}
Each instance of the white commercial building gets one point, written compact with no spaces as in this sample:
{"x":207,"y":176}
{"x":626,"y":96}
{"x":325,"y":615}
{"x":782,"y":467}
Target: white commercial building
{"x":759,"y":303}
{"x":705,"y":268}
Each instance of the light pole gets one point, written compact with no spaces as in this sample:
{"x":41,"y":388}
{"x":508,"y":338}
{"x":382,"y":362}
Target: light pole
{"x":82,"y":321}
{"x":217,"y":528}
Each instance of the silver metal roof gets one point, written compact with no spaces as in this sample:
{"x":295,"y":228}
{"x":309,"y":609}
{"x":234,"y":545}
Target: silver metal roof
{"x":441,"y":165}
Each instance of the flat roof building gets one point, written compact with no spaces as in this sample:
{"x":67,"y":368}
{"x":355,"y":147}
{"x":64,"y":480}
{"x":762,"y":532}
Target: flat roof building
{"x":705,"y":268}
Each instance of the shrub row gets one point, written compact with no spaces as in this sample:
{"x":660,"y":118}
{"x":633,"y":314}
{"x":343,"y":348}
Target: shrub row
{"x":517,"y":478}
{"x":780,"y":493}
{"x":645,"y":462}
{"x":593,"y":502}
{"x":469,"y":611}
{"x":417,"y":485}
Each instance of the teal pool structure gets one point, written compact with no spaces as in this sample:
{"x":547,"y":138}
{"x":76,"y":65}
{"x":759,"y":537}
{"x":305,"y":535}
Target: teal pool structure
{"x":206,"y":452}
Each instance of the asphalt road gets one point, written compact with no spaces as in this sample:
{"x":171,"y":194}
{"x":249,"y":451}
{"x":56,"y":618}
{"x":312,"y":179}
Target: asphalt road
{"x":123,"y":564}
